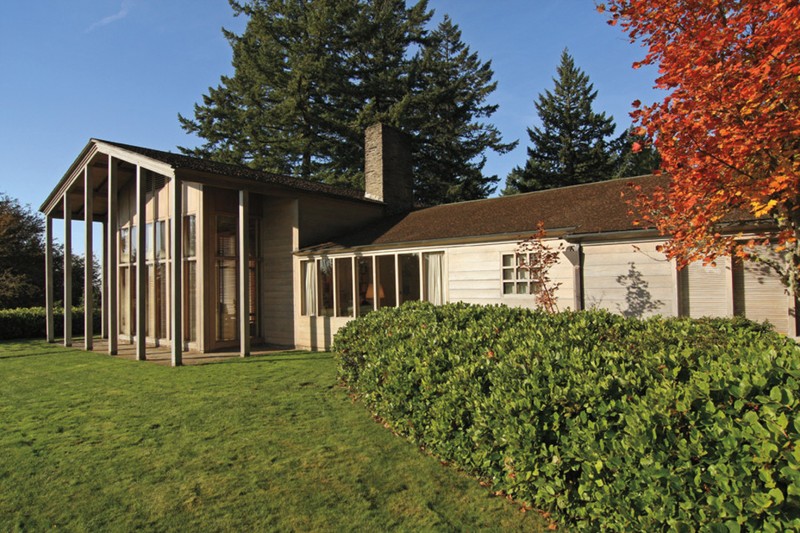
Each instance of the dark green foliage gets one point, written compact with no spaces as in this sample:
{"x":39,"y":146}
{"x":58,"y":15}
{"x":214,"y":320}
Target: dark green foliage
{"x":636,"y":163}
{"x":610,"y":423}
{"x":573,"y":145}
{"x":31,"y":322}
{"x":22,"y":259}
{"x":451,"y":89}
{"x":311,"y":75}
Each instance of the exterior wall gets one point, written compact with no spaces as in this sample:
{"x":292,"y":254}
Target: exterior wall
{"x":322,"y":218}
{"x":707,"y":290}
{"x":632,"y":279}
{"x":278,"y":241}
{"x":760,"y":295}
{"x":472,"y":274}
{"x":475,"y":276}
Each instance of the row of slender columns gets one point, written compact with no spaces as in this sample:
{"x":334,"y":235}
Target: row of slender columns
{"x":110,"y":311}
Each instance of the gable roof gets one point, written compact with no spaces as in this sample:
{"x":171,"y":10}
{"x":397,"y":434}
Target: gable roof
{"x":580,"y":209}
{"x":170,"y":163}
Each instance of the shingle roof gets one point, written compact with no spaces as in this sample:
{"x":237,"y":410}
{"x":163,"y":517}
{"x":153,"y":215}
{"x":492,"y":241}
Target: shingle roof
{"x":591,"y":208}
{"x":180,"y":161}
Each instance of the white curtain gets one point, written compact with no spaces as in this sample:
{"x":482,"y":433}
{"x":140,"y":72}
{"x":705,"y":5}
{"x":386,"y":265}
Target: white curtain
{"x":434,"y":286}
{"x":309,"y":289}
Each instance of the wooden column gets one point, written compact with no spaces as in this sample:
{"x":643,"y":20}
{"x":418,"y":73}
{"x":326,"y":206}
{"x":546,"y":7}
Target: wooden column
{"x":244,"y":273}
{"x":88,"y":266}
{"x":67,"y":271}
{"x":48,"y":276}
{"x":176,"y":254}
{"x":141,"y":266}
{"x":112,"y":268}
{"x":104,"y":281}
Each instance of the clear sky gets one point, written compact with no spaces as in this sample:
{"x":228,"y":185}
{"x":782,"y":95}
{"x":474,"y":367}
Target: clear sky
{"x":122,"y":70}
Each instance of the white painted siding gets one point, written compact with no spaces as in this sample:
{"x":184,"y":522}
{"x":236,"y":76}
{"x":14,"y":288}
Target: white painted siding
{"x":759,"y":295}
{"x":634,"y":280}
{"x":705,"y":289}
{"x":277,"y":244}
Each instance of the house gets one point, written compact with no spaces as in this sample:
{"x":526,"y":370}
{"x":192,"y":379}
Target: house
{"x":319,"y":255}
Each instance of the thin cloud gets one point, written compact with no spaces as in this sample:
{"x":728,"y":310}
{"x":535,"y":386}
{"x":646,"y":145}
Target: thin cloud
{"x":119,"y":15}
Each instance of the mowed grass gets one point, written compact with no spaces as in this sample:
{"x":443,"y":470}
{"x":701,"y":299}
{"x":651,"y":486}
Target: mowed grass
{"x":93,"y":443}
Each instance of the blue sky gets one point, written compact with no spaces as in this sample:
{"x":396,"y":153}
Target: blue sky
{"x":123,"y":69}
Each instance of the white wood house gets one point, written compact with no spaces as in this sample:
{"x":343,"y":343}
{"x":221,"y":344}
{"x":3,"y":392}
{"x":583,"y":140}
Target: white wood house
{"x":318,"y":255}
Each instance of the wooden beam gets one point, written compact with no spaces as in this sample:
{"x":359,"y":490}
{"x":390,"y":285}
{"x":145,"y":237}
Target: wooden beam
{"x":67,"y":271}
{"x":244,"y":273}
{"x":141,"y":265}
{"x":88,"y":263}
{"x":176,"y":254}
{"x":111,"y":258}
{"x":48,"y":276}
{"x":104,"y":281}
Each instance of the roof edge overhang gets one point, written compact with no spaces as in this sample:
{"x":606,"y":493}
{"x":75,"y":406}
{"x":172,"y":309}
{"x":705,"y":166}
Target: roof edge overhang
{"x":555,"y":233}
{"x":92,"y":148}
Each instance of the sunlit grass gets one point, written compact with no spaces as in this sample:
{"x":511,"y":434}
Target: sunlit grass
{"x":92,"y":443}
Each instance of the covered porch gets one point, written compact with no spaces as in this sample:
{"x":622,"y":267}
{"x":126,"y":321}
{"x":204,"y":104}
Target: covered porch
{"x":151,"y":274}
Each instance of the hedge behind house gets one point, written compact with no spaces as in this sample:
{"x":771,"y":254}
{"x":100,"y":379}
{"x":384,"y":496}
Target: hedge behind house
{"x":31,"y":322}
{"x":608,"y":422}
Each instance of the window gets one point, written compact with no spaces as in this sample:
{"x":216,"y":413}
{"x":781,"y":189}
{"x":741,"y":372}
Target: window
{"x":366,"y":293}
{"x":325,"y":287}
{"x":409,"y":277}
{"x":227,"y":326}
{"x":344,"y":286}
{"x":385,"y":291}
{"x":516,"y":275}
{"x":190,"y":278}
{"x":380,"y":281}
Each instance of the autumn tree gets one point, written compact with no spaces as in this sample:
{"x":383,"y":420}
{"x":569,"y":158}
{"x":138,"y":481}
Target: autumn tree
{"x":574,"y":144}
{"x":728,"y":131}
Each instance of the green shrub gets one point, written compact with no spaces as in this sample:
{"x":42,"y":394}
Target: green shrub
{"x":608,"y":422}
{"x":31,"y":322}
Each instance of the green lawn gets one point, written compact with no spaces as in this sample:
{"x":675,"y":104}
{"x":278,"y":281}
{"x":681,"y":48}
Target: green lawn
{"x":92,"y":443}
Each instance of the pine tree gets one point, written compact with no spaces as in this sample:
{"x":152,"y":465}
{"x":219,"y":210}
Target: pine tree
{"x":574,"y":144}
{"x":451,"y":89}
{"x":309,"y":75}
{"x":636,"y":156}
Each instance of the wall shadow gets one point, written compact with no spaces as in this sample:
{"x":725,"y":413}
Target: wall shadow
{"x":638,"y":299}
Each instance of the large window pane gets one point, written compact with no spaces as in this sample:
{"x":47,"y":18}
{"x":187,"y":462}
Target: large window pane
{"x":190,"y":298}
{"x":226,"y":236}
{"x":124,"y":301}
{"x":124,"y":245}
{"x":325,"y":286}
{"x":161,"y":239}
{"x":189,"y":236}
{"x":409,"y":277}
{"x":148,"y":241}
{"x":344,"y":286}
{"x":366,"y":297}
{"x":226,"y":300}
{"x":385,"y":291}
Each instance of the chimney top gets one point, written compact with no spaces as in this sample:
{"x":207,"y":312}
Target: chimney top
{"x":388,"y":174}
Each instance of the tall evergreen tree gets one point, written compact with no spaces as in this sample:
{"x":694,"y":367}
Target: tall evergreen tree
{"x":311,"y":75}
{"x":574,"y":144}
{"x":451,"y":88}
{"x":636,"y":156}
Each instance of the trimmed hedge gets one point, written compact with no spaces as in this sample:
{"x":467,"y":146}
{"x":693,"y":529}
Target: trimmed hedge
{"x":31,"y":322}
{"x":610,"y":423}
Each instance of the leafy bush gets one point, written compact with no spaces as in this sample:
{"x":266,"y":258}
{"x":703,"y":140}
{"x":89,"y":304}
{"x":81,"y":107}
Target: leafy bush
{"x":31,"y":322}
{"x":608,"y":422}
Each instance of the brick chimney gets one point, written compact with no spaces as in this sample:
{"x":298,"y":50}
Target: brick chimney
{"x":387,"y":168}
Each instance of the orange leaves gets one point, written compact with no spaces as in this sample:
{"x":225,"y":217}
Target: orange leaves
{"x":729,"y":131}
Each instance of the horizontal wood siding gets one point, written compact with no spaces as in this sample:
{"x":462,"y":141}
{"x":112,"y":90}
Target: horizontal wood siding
{"x":627,"y":279}
{"x":474,"y":276}
{"x":704,"y":290}
{"x":760,"y":295}
{"x":277,"y":243}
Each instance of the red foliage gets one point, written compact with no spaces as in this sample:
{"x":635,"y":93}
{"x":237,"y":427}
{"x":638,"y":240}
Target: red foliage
{"x":537,"y":258}
{"x":729,"y":130}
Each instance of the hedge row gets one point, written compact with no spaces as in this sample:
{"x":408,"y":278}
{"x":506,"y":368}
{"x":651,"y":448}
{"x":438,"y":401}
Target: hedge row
{"x":608,"y":422}
{"x":31,"y":322}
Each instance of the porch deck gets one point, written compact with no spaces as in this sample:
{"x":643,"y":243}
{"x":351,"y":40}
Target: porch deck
{"x":160,"y":355}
